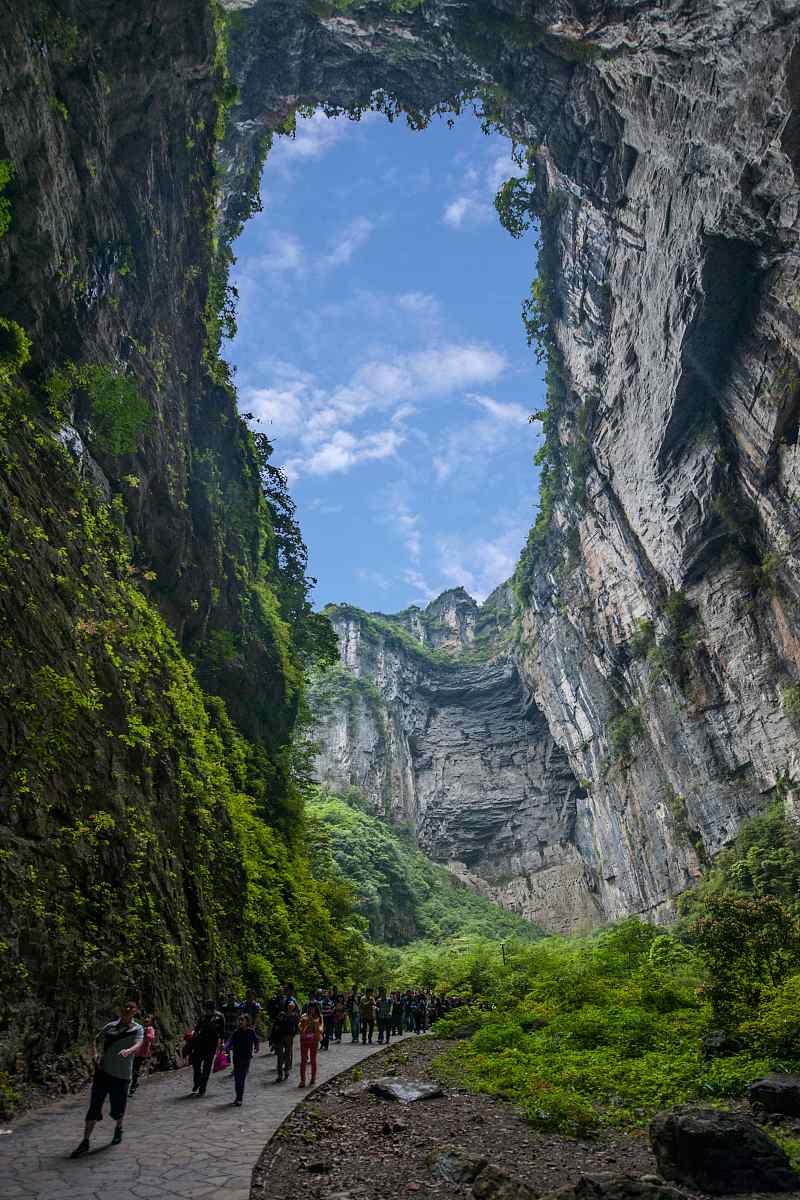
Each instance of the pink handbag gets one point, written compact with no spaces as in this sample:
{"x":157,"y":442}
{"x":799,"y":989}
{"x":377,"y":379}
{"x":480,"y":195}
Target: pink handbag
{"x":221,"y":1061}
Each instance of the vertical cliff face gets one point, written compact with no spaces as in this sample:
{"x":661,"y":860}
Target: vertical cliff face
{"x":437,"y":728}
{"x":659,"y":631}
{"x":139,"y":830}
{"x":658,"y":593}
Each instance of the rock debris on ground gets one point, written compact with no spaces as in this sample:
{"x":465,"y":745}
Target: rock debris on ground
{"x":345,"y":1143}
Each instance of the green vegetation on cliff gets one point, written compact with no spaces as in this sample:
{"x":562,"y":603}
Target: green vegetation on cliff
{"x":155,"y":622}
{"x":402,"y":894}
{"x":141,"y":831}
{"x":605,"y":1030}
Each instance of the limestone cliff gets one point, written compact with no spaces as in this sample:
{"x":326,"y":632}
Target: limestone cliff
{"x":659,"y":589}
{"x":430,"y":718}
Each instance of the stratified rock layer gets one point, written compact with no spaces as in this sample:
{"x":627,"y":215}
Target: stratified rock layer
{"x":453,"y":743}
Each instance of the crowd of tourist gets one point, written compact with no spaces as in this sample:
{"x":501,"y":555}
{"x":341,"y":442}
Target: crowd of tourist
{"x":229,"y":1032}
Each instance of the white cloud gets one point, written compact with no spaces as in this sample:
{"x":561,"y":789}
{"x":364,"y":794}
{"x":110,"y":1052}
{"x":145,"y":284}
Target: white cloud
{"x":344,"y":450}
{"x":296,"y":406}
{"x":478,"y":187}
{"x":442,"y":466}
{"x":282,"y":408}
{"x":464,"y":211}
{"x":377,"y":578}
{"x":480,"y":564}
{"x":315,"y":136}
{"x":466,"y":451}
{"x":403,"y":413}
{"x":420,"y":584}
{"x":408,"y":524}
{"x":501,"y":168}
{"x":351,"y":239}
{"x":450,"y":367}
{"x":419,"y":304}
{"x":284,"y":253}
{"x":324,"y":507}
{"x":513,"y":414}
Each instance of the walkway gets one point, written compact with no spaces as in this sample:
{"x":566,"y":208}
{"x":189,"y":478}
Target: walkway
{"x":176,"y":1146}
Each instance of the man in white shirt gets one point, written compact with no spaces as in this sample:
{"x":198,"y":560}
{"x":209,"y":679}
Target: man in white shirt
{"x":114,"y":1047}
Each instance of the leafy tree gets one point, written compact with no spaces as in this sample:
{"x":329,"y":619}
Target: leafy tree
{"x":312,"y":632}
{"x":747,"y":945}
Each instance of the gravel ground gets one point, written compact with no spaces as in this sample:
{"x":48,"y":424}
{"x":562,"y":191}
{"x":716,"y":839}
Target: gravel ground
{"x":340,"y":1148}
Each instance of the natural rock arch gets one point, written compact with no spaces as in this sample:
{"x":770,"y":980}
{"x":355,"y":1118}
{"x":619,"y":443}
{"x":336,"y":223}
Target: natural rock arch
{"x":669,"y":214}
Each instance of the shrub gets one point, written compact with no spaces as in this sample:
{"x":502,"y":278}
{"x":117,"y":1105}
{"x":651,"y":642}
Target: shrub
{"x":6,"y":175}
{"x":776,"y":1029}
{"x":118,"y":413}
{"x":790,"y":698}
{"x":623,"y":731}
{"x":749,"y":945}
{"x":15,"y":349}
{"x":642,"y":638}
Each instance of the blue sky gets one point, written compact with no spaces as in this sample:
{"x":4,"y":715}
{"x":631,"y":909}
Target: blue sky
{"x":381,"y":348}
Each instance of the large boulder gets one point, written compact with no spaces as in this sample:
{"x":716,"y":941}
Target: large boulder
{"x":777,"y":1093}
{"x":719,"y":1152}
{"x":452,"y":1164}
{"x":607,"y":1186}
{"x":403,"y":1091}
{"x":493,"y":1183}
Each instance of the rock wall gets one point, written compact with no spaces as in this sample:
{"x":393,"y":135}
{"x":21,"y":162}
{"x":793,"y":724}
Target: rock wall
{"x":451,"y":741}
{"x":141,"y":836}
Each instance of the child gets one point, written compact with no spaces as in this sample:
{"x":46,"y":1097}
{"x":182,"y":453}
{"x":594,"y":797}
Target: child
{"x":243,"y":1044}
{"x":143,"y":1052}
{"x":310,"y":1037}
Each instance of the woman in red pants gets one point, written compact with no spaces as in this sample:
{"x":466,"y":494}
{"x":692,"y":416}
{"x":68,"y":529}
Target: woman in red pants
{"x":310,"y":1037}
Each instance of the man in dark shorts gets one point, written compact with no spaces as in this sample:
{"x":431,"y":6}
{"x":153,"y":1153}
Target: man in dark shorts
{"x":206,"y":1041}
{"x":114,"y":1047}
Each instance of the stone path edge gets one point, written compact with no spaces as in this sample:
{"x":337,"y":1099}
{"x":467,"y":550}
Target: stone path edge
{"x":306,"y":1099}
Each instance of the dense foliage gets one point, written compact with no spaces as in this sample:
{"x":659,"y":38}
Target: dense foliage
{"x":401,"y":893}
{"x":221,"y":893}
{"x":589,"y":1032}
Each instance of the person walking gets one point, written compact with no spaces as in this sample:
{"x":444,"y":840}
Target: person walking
{"x":367,"y":1017}
{"x":274,"y":1006}
{"x":339,"y":1017}
{"x":396,"y":1023}
{"x":310,"y":1037}
{"x":292,"y":1024}
{"x":284,"y":1027}
{"x":326,"y":1007}
{"x":384,"y":1017}
{"x":242,"y":1044}
{"x":206,"y":1041}
{"x":252,"y":1008}
{"x":230,"y":1015}
{"x":143,"y":1052}
{"x":354,"y":1013}
{"x":409,"y":1011}
{"x":114,"y":1046}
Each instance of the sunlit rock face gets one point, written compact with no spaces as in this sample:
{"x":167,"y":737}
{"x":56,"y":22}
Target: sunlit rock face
{"x":667,"y":146}
{"x":439,"y":730}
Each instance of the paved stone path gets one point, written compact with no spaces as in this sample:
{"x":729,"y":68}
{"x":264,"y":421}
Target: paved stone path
{"x":176,"y":1146}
